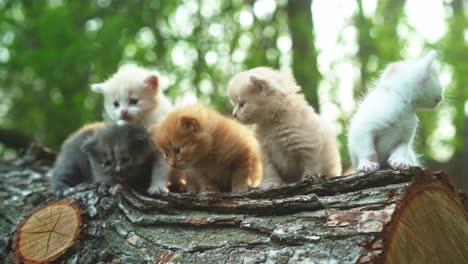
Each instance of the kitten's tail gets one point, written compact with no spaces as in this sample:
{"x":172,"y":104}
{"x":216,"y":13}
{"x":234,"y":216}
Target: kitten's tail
{"x":331,"y":159}
{"x":257,"y":174}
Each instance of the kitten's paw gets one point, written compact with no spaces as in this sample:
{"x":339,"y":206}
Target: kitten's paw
{"x":240,"y":189}
{"x":399,"y":164}
{"x":267,"y":185}
{"x":157,"y":189}
{"x":368,"y":166}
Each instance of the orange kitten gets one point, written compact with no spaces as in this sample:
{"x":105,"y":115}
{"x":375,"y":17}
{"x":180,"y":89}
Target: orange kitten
{"x":217,"y":153}
{"x":296,"y":142}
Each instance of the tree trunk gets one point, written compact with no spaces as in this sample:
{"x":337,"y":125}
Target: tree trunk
{"x":389,"y":13}
{"x":304,"y":64}
{"x":367,"y":47}
{"x":412,"y":216}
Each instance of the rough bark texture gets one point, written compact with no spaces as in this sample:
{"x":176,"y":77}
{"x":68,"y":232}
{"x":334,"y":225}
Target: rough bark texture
{"x":344,"y":220}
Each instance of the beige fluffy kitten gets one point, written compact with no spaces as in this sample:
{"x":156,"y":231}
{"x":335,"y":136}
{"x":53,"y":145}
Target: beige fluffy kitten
{"x":296,"y":142}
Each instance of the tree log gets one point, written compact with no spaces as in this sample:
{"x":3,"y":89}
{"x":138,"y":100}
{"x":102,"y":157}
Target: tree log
{"x":412,"y":216}
{"x":47,"y":232}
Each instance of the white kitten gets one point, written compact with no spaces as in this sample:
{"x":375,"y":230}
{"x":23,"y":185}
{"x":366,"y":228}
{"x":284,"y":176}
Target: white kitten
{"x":383,"y":128}
{"x":132,"y":95}
{"x":296,"y":142}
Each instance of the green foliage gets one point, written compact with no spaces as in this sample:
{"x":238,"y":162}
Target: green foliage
{"x":454,"y":48}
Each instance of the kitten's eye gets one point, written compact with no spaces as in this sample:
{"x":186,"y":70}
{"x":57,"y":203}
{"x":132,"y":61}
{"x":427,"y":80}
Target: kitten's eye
{"x":176,"y":150}
{"x":241,"y":104}
{"x":116,"y":104}
{"x":133,"y":101}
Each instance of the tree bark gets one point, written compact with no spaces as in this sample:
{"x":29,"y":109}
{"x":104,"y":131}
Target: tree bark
{"x":304,"y":54}
{"x":357,"y":218}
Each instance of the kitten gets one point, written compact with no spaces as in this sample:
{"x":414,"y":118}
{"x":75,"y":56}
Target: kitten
{"x":109,"y":154}
{"x":296,"y":142}
{"x":383,"y":128}
{"x":132,"y":95}
{"x":216,"y":153}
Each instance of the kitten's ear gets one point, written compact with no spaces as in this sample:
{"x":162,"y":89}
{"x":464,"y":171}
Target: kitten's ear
{"x":152,"y":82}
{"x":429,"y":59}
{"x":189,"y":123}
{"x":259,"y":83}
{"x":427,"y":62}
{"x":89,"y":146}
{"x":98,"y":87}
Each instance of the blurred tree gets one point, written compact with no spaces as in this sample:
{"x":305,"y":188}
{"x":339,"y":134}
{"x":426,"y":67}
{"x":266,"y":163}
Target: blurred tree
{"x":453,"y":47}
{"x":367,"y":48}
{"x":377,"y":39}
{"x":388,"y":16}
{"x":304,"y":53}
{"x":265,"y":31}
{"x":56,"y":49}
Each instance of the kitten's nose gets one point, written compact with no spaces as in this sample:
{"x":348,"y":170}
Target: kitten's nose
{"x":124,"y":113}
{"x":172,"y":164}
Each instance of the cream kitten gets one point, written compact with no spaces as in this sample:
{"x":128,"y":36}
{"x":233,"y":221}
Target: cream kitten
{"x":132,"y":95}
{"x":383,"y":128}
{"x":296,"y":142}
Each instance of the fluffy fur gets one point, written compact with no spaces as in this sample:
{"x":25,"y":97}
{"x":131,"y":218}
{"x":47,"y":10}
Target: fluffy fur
{"x":296,"y":142}
{"x":132,"y":95}
{"x":217,"y":153}
{"x":109,"y":154}
{"x":383,"y":128}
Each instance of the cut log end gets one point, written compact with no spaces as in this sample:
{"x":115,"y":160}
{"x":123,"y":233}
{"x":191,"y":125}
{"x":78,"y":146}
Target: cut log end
{"x":430,"y":225}
{"x":47,"y":232}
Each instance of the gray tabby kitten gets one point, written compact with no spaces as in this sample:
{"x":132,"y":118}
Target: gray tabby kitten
{"x":100,"y":153}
